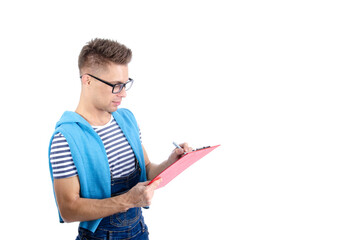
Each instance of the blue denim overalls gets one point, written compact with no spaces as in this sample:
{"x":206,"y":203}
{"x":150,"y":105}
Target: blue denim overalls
{"x":126,"y":225}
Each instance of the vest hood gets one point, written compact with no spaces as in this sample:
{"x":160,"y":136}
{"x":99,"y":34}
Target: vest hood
{"x":71,"y":117}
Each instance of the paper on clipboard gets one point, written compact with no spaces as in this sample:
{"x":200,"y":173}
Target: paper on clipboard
{"x":181,"y":165}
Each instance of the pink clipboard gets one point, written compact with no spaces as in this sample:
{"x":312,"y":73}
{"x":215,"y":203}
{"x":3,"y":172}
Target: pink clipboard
{"x":181,"y":165}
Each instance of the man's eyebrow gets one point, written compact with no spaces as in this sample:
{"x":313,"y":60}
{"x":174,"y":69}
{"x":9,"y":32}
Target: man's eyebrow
{"x":116,"y":82}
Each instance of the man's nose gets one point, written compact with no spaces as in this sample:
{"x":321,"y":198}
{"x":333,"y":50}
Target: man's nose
{"x":122,"y":93}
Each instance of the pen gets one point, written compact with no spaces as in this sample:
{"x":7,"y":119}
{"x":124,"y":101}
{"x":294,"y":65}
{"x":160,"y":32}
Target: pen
{"x":176,"y":145}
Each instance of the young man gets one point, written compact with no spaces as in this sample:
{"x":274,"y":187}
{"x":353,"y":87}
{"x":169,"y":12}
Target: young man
{"x":98,"y":164}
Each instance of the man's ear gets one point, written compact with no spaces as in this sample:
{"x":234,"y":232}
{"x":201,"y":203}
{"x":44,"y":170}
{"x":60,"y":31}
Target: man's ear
{"x":85,"y":79}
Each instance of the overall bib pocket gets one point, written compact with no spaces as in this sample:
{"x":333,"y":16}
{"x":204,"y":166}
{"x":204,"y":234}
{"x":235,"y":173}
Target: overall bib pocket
{"x":126,"y":218}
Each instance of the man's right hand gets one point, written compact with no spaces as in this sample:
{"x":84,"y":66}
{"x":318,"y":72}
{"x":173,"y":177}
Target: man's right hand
{"x":75,"y":208}
{"x":141,"y":195}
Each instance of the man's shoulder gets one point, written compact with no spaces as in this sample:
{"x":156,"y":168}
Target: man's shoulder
{"x":125,"y":112}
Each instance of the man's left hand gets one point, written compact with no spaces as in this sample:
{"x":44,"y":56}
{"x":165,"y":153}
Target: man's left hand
{"x":178,"y":152}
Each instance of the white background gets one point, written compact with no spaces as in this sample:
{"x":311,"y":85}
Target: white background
{"x":276,"y":83}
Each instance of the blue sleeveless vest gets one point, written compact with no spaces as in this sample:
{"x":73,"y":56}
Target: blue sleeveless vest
{"x":90,"y":157}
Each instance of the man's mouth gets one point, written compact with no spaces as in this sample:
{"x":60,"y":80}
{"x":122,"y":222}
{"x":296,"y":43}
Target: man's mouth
{"x":116,"y":102}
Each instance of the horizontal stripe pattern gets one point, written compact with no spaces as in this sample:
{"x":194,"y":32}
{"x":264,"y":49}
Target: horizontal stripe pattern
{"x":61,"y":158}
{"x":120,"y":155}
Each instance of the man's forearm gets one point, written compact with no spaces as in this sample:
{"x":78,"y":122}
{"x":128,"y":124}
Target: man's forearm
{"x":154,"y":169}
{"x":84,"y":209}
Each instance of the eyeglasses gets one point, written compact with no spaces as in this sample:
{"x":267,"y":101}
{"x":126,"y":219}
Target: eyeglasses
{"x":116,"y":88}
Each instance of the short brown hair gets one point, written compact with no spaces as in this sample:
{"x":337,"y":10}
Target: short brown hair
{"x":98,"y":53}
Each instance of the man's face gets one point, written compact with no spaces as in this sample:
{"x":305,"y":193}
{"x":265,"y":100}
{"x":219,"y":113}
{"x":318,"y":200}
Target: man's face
{"x":101,"y":94}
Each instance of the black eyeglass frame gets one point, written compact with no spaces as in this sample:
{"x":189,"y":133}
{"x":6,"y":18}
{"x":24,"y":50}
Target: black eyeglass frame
{"x":122,"y":85}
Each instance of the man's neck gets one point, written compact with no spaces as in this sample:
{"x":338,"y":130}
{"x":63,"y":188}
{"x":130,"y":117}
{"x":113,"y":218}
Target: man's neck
{"x":94,"y":117}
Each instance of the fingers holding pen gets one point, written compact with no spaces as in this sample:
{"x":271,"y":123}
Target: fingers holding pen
{"x":182,"y":148}
{"x":186,"y":147}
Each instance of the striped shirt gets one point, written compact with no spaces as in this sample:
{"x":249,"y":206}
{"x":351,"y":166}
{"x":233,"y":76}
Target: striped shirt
{"x":120,"y":155}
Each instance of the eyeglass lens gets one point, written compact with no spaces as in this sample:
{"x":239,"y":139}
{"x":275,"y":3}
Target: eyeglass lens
{"x":118,"y":87}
